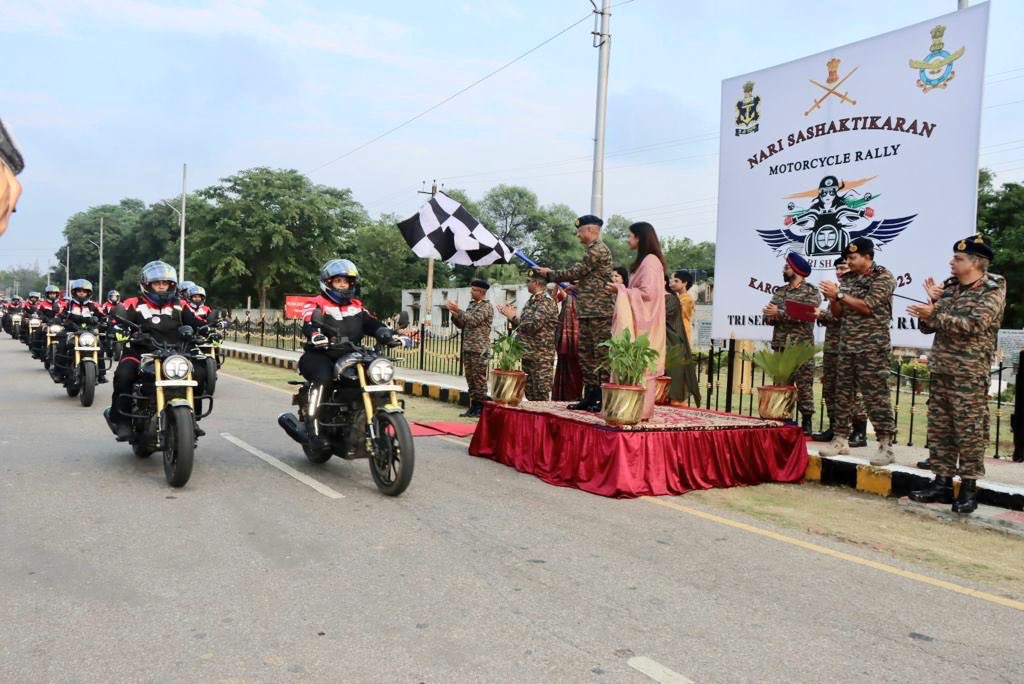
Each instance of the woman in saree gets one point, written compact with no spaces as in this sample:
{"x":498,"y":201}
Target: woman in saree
{"x":640,"y":306}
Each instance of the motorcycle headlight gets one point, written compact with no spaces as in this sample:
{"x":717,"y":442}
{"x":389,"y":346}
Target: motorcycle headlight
{"x":381,"y":371}
{"x":55,"y":329}
{"x":177,"y":368}
{"x":87,"y":340}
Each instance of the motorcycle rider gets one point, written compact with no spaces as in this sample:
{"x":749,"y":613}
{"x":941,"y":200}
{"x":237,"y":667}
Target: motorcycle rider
{"x":30,"y":304}
{"x":197,"y":302}
{"x":81,"y":311}
{"x":27,"y":309}
{"x":183,"y":288}
{"x":112,"y":300}
{"x":335,"y":314}
{"x":49,"y":307}
{"x":158,"y":312}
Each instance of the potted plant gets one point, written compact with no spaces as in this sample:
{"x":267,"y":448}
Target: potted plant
{"x":622,"y":400}
{"x":778,"y":401}
{"x":508,"y":382}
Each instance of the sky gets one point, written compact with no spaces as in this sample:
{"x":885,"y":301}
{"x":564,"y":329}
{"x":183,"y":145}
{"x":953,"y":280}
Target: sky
{"x":107,"y":98}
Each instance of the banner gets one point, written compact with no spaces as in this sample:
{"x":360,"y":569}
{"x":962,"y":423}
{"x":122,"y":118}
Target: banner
{"x":293,"y":305}
{"x":875,"y":139}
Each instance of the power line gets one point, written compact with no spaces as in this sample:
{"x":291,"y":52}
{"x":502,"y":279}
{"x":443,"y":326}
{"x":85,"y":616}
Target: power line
{"x":454,"y":95}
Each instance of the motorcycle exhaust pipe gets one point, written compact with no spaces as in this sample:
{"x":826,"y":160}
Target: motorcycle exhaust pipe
{"x":291,"y":425}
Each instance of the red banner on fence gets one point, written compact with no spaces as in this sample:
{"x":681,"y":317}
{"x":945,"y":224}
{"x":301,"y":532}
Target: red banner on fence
{"x":293,"y":304}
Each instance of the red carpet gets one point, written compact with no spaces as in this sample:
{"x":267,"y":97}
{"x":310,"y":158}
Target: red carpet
{"x":679,"y":450}
{"x":442,"y":428}
{"x":420,"y":430}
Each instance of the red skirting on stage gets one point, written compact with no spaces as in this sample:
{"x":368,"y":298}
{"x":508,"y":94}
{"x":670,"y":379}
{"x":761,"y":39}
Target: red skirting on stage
{"x":679,"y":450}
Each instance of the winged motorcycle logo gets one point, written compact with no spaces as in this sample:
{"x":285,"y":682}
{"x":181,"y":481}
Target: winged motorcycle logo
{"x":838,"y":213}
{"x":747,"y":114}
{"x":936,"y":69}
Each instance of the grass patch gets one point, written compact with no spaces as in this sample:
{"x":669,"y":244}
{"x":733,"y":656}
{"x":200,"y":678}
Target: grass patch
{"x":417,"y":409}
{"x":882,"y":525}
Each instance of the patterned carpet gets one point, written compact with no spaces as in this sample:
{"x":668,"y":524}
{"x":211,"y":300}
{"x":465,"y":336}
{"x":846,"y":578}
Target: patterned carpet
{"x":665,"y":418}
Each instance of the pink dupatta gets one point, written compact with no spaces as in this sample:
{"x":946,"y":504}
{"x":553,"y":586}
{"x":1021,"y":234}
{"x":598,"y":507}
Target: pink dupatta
{"x":640,"y":308}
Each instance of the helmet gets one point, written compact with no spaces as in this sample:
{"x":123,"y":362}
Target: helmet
{"x":333,"y":269}
{"x":34,"y":294}
{"x":15,"y":299}
{"x":197,"y":290}
{"x":183,"y":287}
{"x":114,"y":296}
{"x":156,"y":271}
{"x":52,"y":290}
{"x":80,"y":284}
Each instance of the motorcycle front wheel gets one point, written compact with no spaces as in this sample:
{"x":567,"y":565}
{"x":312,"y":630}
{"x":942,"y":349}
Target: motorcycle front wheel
{"x":393,"y":457}
{"x":179,"y":445}
{"x":211,"y":375}
{"x":87,"y":381}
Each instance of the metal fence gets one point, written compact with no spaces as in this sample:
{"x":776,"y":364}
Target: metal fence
{"x":729,"y":381}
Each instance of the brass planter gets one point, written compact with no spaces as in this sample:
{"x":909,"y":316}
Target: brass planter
{"x":776,"y":402}
{"x":622,"y":404}
{"x":508,"y":387}
{"x":661,"y":397}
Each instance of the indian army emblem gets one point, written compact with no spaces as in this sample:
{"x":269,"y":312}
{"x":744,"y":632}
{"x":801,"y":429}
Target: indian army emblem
{"x":936,"y":69}
{"x":747,"y":115}
{"x":831,"y":85}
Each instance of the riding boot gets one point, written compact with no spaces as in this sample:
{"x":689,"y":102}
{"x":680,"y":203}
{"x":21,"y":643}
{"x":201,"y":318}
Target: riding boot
{"x":807,"y":424}
{"x":939,"y":490}
{"x":584,"y":403}
{"x":967,"y":500}
{"x":859,"y":434}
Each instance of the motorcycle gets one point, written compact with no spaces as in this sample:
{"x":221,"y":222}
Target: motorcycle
{"x":162,"y":403}
{"x":28,"y":328}
{"x":53,"y":331}
{"x":210,"y":348}
{"x":78,"y":369}
{"x":15,"y":325}
{"x":358,"y":417}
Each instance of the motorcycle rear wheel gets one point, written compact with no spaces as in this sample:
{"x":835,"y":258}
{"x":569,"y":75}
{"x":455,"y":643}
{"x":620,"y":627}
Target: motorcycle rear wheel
{"x":179,"y":446}
{"x":393,"y":457}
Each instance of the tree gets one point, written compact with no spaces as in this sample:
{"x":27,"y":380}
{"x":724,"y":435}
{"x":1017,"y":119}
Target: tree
{"x":269,"y":231}
{"x":26,"y":277}
{"x":511,"y":213}
{"x":554,"y":238}
{"x":120,"y":243}
{"x":1001,"y":220}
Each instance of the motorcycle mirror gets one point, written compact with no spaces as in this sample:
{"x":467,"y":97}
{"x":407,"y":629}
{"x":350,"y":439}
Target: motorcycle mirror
{"x":186,"y":331}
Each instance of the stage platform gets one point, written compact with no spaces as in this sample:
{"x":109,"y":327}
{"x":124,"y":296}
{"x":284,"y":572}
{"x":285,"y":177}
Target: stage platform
{"x":678,"y":450}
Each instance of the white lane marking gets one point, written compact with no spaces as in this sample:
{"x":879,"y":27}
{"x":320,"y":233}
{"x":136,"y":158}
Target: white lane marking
{"x":283,"y":467}
{"x":657,"y":671}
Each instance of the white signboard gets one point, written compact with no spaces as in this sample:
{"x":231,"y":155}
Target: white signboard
{"x":876,"y":139}
{"x":1010,"y":342}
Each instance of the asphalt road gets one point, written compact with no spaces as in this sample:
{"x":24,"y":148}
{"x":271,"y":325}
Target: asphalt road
{"x":478,"y":573}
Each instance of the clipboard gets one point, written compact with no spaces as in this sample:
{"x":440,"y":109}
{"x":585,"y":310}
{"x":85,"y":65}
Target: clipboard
{"x":799,"y":311}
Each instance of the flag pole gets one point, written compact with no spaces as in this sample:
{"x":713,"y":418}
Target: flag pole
{"x":430,"y":271}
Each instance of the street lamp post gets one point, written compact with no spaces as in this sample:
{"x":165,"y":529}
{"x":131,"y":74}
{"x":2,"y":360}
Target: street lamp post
{"x":100,"y":247}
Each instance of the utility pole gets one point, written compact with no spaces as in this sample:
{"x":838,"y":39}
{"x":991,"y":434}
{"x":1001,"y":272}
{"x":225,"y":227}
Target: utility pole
{"x":67,"y":270}
{"x":602,"y":41}
{"x":430,"y":267}
{"x":100,"y":297}
{"x":181,"y":246}
{"x":961,"y":4}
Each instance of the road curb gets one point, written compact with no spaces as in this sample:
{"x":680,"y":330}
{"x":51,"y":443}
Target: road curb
{"x":899,"y":481}
{"x":414,"y":388}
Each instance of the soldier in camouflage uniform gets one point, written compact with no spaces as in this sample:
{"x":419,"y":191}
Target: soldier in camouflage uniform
{"x":536,"y":328}
{"x":791,"y":331}
{"x":595,"y":306}
{"x":864,"y":303}
{"x":964,"y":314}
{"x":475,"y":323}
{"x":829,"y":367}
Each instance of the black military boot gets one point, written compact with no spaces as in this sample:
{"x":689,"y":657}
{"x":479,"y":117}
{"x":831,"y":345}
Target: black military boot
{"x":806,"y":424}
{"x":939,"y":490}
{"x":926,"y":464}
{"x":859,"y":434}
{"x":584,"y":403}
{"x":967,"y":501}
{"x":475,"y":409}
{"x":597,"y":402}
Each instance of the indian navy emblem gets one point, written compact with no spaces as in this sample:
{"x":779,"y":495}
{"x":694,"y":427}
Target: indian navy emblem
{"x":936,"y":69}
{"x":747,"y":115}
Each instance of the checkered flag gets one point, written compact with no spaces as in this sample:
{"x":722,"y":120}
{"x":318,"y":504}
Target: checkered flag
{"x":443,"y":229}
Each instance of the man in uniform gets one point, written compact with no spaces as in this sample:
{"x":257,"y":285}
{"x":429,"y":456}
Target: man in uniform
{"x":864,"y":303}
{"x":829,"y":366}
{"x":964,"y":313}
{"x":536,"y":330}
{"x":475,"y":323}
{"x":791,"y":331}
{"x":594,"y":306}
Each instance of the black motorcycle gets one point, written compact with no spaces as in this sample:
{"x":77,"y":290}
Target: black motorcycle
{"x":359,"y":416}
{"x":209,"y":345}
{"x":78,"y":366}
{"x":162,"y":402}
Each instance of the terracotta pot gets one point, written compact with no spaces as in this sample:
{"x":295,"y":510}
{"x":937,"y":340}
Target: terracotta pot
{"x":508,"y":387}
{"x":776,"y":402}
{"x":661,"y":397}
{"x":622,"y":404}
